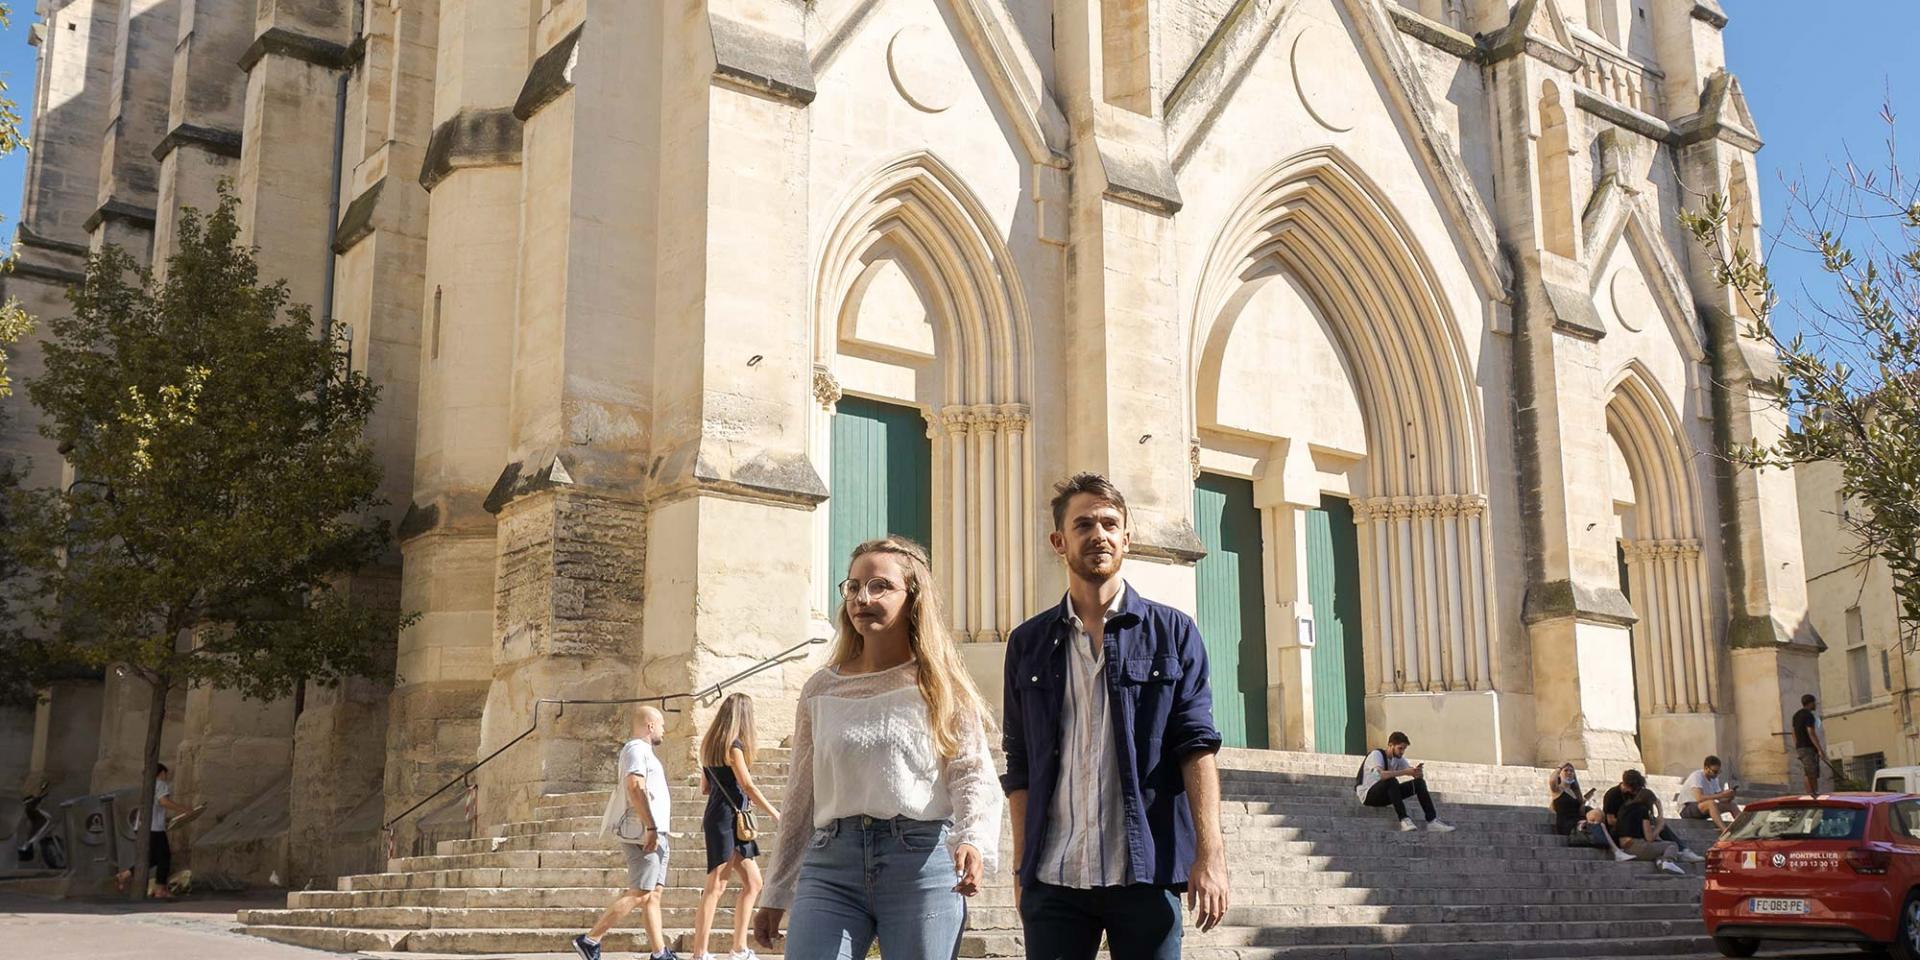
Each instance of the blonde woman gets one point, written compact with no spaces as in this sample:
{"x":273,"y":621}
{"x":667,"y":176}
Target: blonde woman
{"x":891,"y":773}
{"x":726,"y":777}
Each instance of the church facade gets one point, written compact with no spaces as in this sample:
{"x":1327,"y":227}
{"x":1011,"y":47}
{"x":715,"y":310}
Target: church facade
{"x":1379,"y":312}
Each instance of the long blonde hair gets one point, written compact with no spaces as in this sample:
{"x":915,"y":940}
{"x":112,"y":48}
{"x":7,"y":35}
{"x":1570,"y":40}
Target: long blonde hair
{"x":944,"y":682}
{"x":733,"y":721}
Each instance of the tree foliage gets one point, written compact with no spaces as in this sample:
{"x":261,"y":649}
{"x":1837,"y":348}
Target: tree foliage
{"x":225,"y":486}
{"x":1849,"y":377}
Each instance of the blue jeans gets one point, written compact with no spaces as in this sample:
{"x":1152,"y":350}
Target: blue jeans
{"x":863,"y":877}
{"x":1141,"y":921}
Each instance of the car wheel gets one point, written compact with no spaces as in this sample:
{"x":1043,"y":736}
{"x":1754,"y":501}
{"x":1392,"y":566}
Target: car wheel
{"x":1906,"y":937}
{"x":1737,"y":946}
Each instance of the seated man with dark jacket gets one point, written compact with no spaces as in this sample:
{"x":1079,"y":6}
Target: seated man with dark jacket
{"x":1632,"y":784}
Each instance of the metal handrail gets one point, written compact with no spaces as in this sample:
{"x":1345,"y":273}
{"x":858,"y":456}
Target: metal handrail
{"x":702,"y":695}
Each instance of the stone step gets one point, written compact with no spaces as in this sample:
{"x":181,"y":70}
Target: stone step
{"x":1411,"y":892}
{"x":979,"y":917}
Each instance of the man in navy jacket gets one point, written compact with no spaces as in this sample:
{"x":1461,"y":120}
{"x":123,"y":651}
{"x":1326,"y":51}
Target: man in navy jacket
{"x":1110,"y":748}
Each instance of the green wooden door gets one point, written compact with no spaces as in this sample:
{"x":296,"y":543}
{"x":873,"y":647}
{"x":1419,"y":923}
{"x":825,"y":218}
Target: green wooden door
{"x":1333,"y":587}
{"x":1232,"y":607}
{"x":881,"y":479}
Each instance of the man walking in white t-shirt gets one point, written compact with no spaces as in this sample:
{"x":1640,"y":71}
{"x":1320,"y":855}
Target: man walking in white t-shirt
{"x":638,"y":815}
{"x":1705,"y":796}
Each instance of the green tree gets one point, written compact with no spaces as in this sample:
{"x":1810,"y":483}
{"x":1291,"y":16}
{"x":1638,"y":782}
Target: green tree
{"x":225,"y":487}
{"x":14,"y":322}
{"x":1849,"y":377}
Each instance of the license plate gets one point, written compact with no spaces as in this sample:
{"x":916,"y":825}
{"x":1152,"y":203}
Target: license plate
{"x":1777,"y":906}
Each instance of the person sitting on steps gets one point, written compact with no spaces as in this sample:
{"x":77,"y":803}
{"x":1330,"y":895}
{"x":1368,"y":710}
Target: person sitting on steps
{"x":1632,"y":782}
{"x":1572,"y":815}
{"x":1705,"y":796}
{"x":1640,"y":830}
{"x":1379,"y":783}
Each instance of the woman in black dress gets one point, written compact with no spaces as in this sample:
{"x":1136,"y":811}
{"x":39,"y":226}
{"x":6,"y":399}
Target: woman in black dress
{"x":726,"y":777}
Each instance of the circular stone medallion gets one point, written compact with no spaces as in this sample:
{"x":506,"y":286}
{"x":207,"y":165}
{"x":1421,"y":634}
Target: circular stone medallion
{"x":1325,"y":73}
{"x":924,"y":68}
{"x":1632,"y":301}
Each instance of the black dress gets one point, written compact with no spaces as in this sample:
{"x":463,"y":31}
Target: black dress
{"x":717,"y":822}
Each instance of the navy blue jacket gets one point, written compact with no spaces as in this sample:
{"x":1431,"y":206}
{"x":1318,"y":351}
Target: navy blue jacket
{"x":1162,"y":711}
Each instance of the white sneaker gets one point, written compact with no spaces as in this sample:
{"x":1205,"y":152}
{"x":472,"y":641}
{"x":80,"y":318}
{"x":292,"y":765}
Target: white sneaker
{"x":1406,"y":825}
{"x":1621,"y":856}
{"x":1435,"y":826}
{"x":1671,"y":867}
{"x":1691,"y":857}
{"x":744,"y":953}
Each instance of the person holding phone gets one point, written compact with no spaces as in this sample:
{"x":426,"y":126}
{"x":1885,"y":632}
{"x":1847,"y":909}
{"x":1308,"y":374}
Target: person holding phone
{"x":1387,"y":778}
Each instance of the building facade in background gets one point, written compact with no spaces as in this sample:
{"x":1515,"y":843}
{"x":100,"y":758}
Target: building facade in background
{"x":1379,"y":312}
{"x":1868,"y":668}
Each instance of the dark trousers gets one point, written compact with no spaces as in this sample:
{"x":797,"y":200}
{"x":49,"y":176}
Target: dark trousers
{"x":159,"y":858}
{"x":1141,"y":922}
{"x":1396,"y":791}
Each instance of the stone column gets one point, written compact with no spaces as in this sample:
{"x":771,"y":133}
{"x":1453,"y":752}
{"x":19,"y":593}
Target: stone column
{"x":471,"y":171}
{"x":1125,"y":398}
{"x":733,"y":384}
{"x":66,"y":738}
{"x":573,"y":539}
{"x":136,"y":121}
{"x":1578,"y":622}
{"x":205,"y":112}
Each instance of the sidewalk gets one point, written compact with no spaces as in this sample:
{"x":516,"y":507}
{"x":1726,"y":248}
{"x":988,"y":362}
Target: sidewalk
{"x":194,"y":928}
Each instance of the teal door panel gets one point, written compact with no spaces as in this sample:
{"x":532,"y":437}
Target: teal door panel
{"x":1333,"y":587}
{"x":881,"y":479}
{"x":1232,"y":606}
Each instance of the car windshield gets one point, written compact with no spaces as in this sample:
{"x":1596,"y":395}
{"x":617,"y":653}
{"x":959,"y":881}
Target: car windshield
{"x":1803,"y":822}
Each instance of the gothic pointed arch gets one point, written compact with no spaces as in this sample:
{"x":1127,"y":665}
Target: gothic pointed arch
{"x":914,"y":225}
{"x":1422,"y":525}
{"x":1624,"y":219}
{"x":1676,"y":672}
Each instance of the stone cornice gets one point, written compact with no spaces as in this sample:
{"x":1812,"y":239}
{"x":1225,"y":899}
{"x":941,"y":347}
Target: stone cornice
{"x":28,"y":270}
{"x":1709,"y":13}
{"x":216,"y":140}
{"x":472,"y":138}
{"x":753,"y":59}
{"x":124,"y":212}
{"x":357,"y":223}
{"x":550,"y":76}
{"x":279,"y":41}
{"x":25,"y":237}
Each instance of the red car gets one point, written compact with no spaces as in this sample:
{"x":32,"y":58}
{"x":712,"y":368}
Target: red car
{"x":1837,"y":868}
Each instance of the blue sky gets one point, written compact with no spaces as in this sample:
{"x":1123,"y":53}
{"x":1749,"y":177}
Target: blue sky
{"x":1816,"y":75}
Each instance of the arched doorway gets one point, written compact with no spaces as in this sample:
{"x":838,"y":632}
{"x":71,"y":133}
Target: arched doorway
{"x":1326,"y":365}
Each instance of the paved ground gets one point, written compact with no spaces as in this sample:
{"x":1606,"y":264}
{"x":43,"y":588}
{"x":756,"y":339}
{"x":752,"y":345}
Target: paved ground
{"x":201,"y":929}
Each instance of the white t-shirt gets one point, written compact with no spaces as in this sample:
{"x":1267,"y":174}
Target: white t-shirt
{"x":1377,"y":766}
{"x":1698,"y":780}
{"x":637,"y":757}
{"x":161,"y":788}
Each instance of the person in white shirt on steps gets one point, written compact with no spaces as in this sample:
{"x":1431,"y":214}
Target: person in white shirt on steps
{"x":1379,"y":783}
{"x":1705,"y":796}
{"x":638,"y":814}
{"x":892,"y":772}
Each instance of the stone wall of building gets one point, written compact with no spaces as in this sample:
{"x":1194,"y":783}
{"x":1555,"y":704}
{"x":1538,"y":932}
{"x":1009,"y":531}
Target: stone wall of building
{"x":616,"y":266}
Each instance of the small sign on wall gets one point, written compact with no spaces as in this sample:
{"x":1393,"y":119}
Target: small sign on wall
{"x":1303,"y":630}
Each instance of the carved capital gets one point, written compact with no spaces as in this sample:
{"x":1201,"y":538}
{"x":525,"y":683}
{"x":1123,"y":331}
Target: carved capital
{"x":826,"y":387}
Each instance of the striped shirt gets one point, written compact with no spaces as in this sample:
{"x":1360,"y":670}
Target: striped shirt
{"x":1086,"y":843}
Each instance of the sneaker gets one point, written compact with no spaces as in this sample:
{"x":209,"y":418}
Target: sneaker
{"x":1691,"y":857}
{"x":664,"y":955}
{"x":1406,"y":825}
{"x":1436,"y":826}
{"x":1621,"y":856}
{"x":744,"y":953}
{"x":1671,"y":867}
{"x":587,"y":949}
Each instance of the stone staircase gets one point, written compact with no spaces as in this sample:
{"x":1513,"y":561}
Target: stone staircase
{"x":1313,"y":875}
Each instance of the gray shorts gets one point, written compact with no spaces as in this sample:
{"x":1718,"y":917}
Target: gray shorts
{"x":1810,"y":761}
{"x":646,"y":871}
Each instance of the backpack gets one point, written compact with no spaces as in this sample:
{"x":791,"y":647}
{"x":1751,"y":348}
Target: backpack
{"x":1361,"y":777}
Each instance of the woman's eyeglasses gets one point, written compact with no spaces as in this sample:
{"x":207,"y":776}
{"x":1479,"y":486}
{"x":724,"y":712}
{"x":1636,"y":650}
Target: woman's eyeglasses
{"x":875,"y":589}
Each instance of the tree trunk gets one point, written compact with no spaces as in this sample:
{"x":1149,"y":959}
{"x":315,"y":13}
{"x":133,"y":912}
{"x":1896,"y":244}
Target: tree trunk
{"x":143,"y":837}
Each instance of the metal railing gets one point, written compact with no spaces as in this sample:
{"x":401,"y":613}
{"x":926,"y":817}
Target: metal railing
{"x":703,"y":695}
